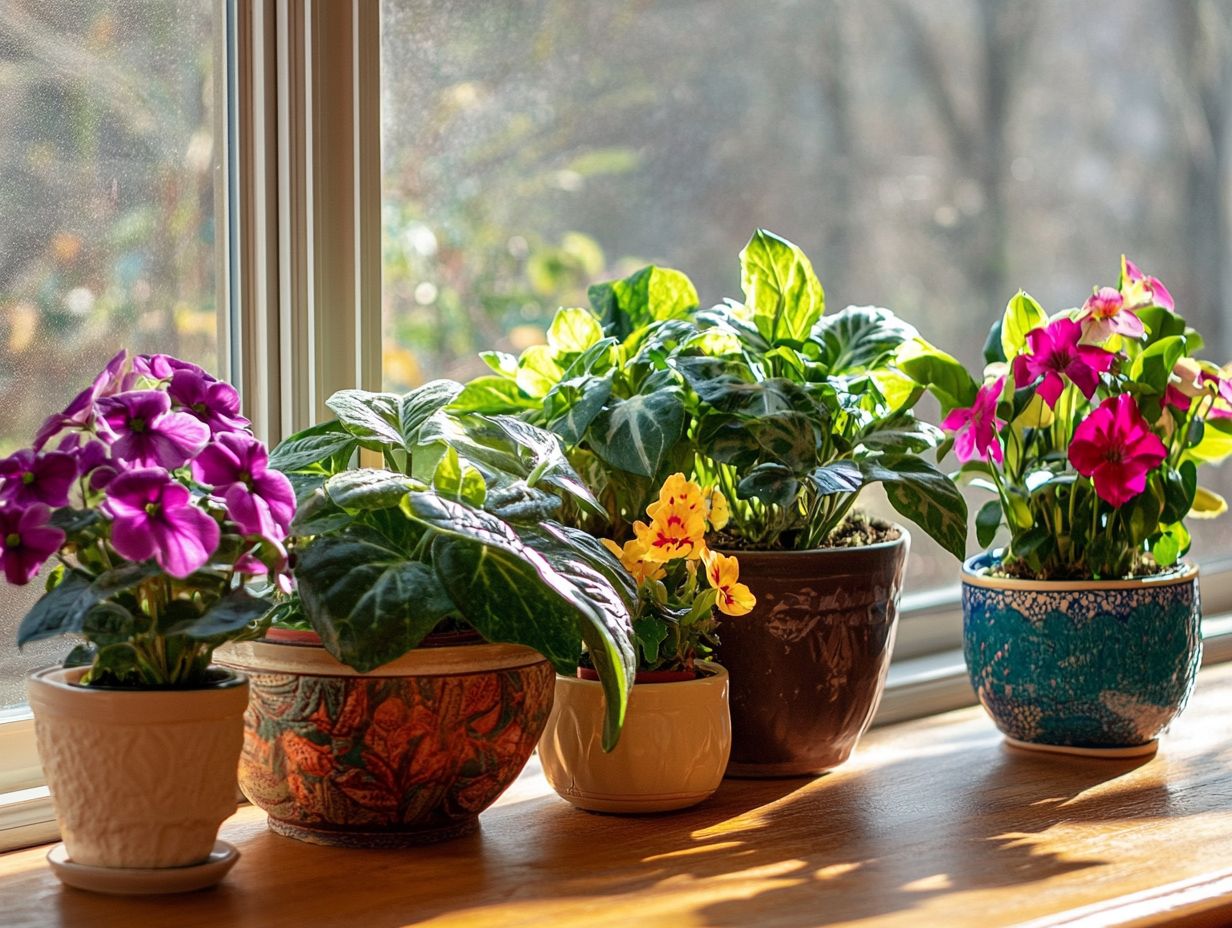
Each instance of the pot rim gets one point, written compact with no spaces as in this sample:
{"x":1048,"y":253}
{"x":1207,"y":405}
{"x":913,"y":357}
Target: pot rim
{"x":904,"y":537}
{"x":53,"y":692}
{"x":312,"y":660}
{"x":715,"y":673}
{"x":234,"y":678}
{"x":973,"y":566}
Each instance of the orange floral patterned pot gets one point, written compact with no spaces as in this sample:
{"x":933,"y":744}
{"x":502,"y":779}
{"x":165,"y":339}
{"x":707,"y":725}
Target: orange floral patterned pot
{"x":407,"y":754}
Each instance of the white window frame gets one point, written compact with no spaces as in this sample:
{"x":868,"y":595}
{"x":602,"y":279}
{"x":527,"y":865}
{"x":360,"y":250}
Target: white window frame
{"x":299,"y":284}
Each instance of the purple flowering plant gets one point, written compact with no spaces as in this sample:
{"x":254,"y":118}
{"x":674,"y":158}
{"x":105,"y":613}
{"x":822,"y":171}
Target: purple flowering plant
{"x":165,"y":522}
{"x":1088,"y":427}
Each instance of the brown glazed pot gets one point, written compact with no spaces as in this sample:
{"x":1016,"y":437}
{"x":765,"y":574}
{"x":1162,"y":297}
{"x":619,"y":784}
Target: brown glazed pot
{"x":407,"y":754}
{"x":808,"y":664}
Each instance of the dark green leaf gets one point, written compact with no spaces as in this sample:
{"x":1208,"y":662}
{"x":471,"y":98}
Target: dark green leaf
{"x":638,"y":434}
{"x":366,"y":488}
{"x":859,"y":338}
{"x":772,"y":484}
{"x":369,"y":603}
{"x":649,"y":295}
{"x":575,"y":404}
{"x":987,"y":521}
{"x":836,"y":477}
{"x":416,"y":407}
{"x":921,"y":493}
{"x":373,"y":418}
{"x":312,"y":446}
{"x":229,"y":614}
{"x":64,"y":609}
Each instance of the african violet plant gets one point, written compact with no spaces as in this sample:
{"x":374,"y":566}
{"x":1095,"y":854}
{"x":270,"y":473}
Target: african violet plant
{"x":674,"y":623}
{"x":155,"y":498}
{"x":796,"y":412}
{"x":457,"y":526}
{"x":1089,"y":428}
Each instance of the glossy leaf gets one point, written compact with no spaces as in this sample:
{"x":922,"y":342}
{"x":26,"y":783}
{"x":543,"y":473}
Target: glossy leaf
{"x":230,"y":613}
{"x":651,"y":294}
{"x":637,"y":434}
{"x":859,"y":339}
{"x":368,"y":488}
{"x":574,"y":330}
{"x":921,"y":493}
{"x":772,"y":484}
{"x":780,"y":287}
{"x":373,"y":418}
{"x":837,"y":477}
{"x":491,"y":395}
{"x":1022,"y":314}
{"x":312,"y":446}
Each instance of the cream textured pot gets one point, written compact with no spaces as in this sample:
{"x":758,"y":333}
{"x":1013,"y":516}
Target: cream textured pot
{"x":672,"y":752}
{"x":139,"y":778}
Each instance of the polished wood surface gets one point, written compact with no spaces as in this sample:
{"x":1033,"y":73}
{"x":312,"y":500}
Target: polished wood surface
{"x":932,"y":823}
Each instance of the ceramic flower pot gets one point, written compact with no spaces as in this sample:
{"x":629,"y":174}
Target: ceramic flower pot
{"x":407,"y":754}
{"x":1097,"y":667}
{"x":808,"y":664}
{"x":671,"y":754}
{"x":139,"y":778}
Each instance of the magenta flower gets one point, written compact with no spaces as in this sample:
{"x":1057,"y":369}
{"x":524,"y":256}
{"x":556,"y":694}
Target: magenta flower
{"x":153,"y":517}
{"x":1105,"y":314}
{"x":26,"y":541}
{"x":976,"y":428}
{"x":93,"y":458}
{"x":1140,"y":290}
{"x":148,"y":433}
{"x":1116,"y":448}
{"x":1055,"y":354}
{"x":260,"y":501}
{"x":37,"y":478}
{"x":79,"y":414}
{"x":214,"y":402}
{"x":163,"y":366}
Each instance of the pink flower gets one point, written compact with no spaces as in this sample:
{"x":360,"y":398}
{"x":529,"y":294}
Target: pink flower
{"x":26,"y":541}
{"x":260,"y":501}
{"x":976,"y":428}
{"x":38,"y":478}
{"x":214,"y":402}
{"x":80,"y":413}
{"x":148,"y":433}
{"x":1116,"y":448}
{"x":1105,"y":314}
{"x":1140,"y":290}
{"x":153,"y":517}
{"x":1056,"y":353}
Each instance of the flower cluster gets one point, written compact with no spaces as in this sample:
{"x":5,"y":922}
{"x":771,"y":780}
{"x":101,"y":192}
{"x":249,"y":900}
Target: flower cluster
{"x":152,"y":464}
{"x":665,"y":556}
{"x":1089,"y":426}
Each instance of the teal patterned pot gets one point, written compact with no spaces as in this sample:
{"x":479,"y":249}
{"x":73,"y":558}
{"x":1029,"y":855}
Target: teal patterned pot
{"x":1082,"y":666}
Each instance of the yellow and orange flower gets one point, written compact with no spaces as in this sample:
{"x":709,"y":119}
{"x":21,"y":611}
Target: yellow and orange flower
{"x":723,"y":572}
{"x":717,"y":511}
{"x":677,"y":521}
{"x":633,"y":557}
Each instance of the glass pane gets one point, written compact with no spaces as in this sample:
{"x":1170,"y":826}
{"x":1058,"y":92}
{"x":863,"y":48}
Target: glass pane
{"x":930,"y":157}
{"x":107,"y":165}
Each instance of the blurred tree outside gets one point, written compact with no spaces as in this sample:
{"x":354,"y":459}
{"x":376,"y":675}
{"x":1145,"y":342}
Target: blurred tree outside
{"x":930,"y":157}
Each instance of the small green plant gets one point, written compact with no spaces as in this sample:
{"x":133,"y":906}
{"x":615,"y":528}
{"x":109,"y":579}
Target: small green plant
{"x":458,"y":525}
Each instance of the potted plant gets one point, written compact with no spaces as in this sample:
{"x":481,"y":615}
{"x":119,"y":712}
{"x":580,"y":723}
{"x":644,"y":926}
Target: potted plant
{"x":1082,"y":633}
{"x":795,"y":413}
{"x":677,"y":736}
{"x":438,"y":595}
{"x":153,"y":496}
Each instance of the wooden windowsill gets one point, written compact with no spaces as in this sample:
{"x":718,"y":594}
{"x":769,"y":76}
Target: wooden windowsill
{"x":935,"y":822}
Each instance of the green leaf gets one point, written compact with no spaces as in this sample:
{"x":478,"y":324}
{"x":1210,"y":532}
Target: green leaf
{"x":1022,"y":314}
{"x":649,"y":295}
{"x":549,"y":464}
{"x":987,"y":521}
{"x":373,"y":418}
{"x":575,"y":404}
{"x":772,"y":484}
{"x":939,"y":372}
{"x":859,"y":339}
{"x":837,"y":477}
{"x":1216,"y":443}
{"x":1161,"y":323}
{"x":638,"y":434}
{"x":367,"y":488}
{"x":369,"y":603}
{"x":314,"y":445}
{"x":492,"y":394}
{"x":1153,"y":366}
{"x":230,"y":613}
{"x":780,"y":288}
{"x":574,"y":330}
{"x":650,"y":632}
{"x":317,"y":514}
{"x":416,"y":407}
{"x":788,"y":438}
{"x":460,"y":480}
{"x":921,"y":493}
{"x":538,"y":371}
{"x":502,"y":362}
{"x":900,"y":434}
{"x":63,"y":610}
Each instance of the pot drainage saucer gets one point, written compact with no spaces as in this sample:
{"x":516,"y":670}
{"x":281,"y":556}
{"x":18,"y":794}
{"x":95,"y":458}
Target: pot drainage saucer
{"x":143,"y":881}
{"x":1137,"y":750}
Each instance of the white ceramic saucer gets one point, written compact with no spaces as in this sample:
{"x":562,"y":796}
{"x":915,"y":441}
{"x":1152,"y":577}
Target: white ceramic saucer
{"x":1138,"y":750}
{"x":144,"y":882}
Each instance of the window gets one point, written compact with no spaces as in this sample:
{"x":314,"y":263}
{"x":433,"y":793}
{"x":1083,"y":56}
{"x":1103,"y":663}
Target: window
{"x":107,"y":168}
{"x":929,"y":157}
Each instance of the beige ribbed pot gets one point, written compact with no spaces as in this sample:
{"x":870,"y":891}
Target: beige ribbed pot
{"x":139,"y":778}
{"x":671,"y":754}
